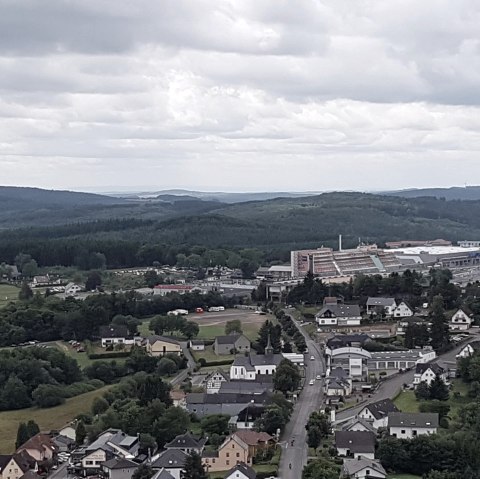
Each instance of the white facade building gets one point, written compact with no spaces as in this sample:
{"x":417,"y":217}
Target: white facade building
{"x":460,"y":321}
{"x":409,"y":425}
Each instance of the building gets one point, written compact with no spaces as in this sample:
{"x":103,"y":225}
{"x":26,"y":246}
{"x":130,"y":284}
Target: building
{"x":356,"y":424}
{"x":377,"y":305}
{"x":171,"y":461}
{"x":355,"y":444}
{"x":339,"y":315}
{"x":377,"y":413}
{"x":164,"y":289}
{"x":114,"y":334}
{"x":404,"y":323}
{"x":72,"y":289}
{"x":214,"y":381}
{"x":338,"y":384}
{"x":409,"y":425}
{"x":469,"y":350}
{"x":179,"y":398}
{"x":353,"y":360}
{"x":403,"y":310}
{"x":362,"y":468}
{"x":274,"y":273}
{"x":196,"y":345}
{"x":427,"y":372}
{"x":119,"y":468}
{"x":348,"y":341}
{"x":40,"y":447}
{"x":160,"y":346}
{"x":233,"y":343}
{"x":246,"y":387}
{"x":187,"y":443}
{"x":399,"y":360}
{"x":251,"y":366}
{"x":246,"y":418}
{"x":460,"y":321}
{"x":162,"y":474}
{"x":241,"y":471}
{"x":16,"y":465}
{"x":39,"y":281}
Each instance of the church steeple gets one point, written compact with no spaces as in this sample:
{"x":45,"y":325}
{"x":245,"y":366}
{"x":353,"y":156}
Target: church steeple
{"x":268,"y":347}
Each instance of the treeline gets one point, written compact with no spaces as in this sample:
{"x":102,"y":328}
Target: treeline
{"x":51,"y":318}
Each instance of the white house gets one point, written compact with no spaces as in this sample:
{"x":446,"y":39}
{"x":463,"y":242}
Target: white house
{"x":402,"y":310}
{"x":356,"y":424}
{"x":376,"y":304}
{"x":196,"y":345}
{"x":409,"y":425}
{"x":72,"y":289}
{"x":460,"y":321}
{"x":362,"y":468}
{"x":114,"y":334}
{"x":377,"y":413}
{"x":338,"y":383}
{"x":248,"y":367}
{"x":241,"y":471}
{"x":427,"y":372}
{"x":339,"y":315}
{"x":469,"y":349}
{"x":214,"y":380}
{"x":355,"y":444}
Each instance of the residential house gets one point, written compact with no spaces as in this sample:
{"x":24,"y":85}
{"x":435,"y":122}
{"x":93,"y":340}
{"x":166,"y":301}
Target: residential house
{"x":246,"y":418}
{"x":171,"y":461}
{"x":348,"y":341}
{"x":119,"y":468}
{"x":404,"y":323}
{"x":63,"y":443}
{"x":355,"y":444}
{"x":427,"y":373}
{"x":469,"y":349}
{"x":214,"y":380}
{"x":225,"y":345}
{"x":113,"y":334}
{"x":39,"y":281}
{"x":160,"y":346}
{"x":352,"y":360}
{"x":254,"y":365}
{"x":40,"y":447}
{"x":16,"y":465}
{"x":409,"y":425}
{"x":187,"y":443}
{"x":460,"y":321}
{"x":162,"y":474}
{"x":356,"y":424}
{"x":68,"y":431}
{"x":196,"y":345}
{"x":246,"y":387}
{"x":338,"y":383}
{"x":31,"y":475}
{"x":240,"y":447}
{"x":72,"y":289}
{"x":403,"y":310}
{"x":377,"y":412}
{"x":377,"y":305}
{"x":179,"y":398}
{"x":362,"y":468}
{"x":241,"y":471}
{"x":339,"y":315}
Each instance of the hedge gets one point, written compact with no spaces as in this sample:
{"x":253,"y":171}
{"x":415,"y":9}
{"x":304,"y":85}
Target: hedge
{"x":112,"y":355}
{"x":222,"y":362}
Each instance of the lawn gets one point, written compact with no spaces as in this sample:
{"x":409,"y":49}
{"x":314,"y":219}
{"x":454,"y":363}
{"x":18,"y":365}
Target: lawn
{"x":208,"y":354}
{"x":82,"y":358}
{"x":8,"y":293}
{"x":53,"y":418}
{"x":407,"y":402}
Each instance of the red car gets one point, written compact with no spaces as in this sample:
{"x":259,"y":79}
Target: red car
{"x":199,"y":310}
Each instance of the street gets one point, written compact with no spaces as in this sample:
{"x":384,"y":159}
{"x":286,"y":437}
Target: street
{"x":311,"y":399}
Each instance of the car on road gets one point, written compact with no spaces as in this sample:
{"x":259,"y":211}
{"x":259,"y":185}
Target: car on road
{"x":319,"y":376}
{"x":311,"y":382}
{"x":312,"y":358}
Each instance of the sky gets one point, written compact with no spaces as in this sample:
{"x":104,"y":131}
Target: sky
{"x":239,"y":95}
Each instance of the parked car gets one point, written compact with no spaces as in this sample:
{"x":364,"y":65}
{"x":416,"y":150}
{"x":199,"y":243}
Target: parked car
{"x":311,"y":382}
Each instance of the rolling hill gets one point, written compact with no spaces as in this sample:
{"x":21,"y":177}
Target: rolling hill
{"x":469,"y":193}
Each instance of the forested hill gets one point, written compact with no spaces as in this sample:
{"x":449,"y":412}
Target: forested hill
{"x":471,"y":193}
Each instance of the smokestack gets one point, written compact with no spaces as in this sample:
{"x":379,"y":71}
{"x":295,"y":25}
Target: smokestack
{"x":339,"y":242}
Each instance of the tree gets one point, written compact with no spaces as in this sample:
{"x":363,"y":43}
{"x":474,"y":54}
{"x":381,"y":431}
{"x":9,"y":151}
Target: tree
{"x":30,"y":268}
{"x":435,"y":406}
{"x":174,"y":422}
{"x":48,"y":395}
{"x":272,"y":420}
{"x":25,"y":292}
{"x":438,"y":389}
{"x":148,"y":444}
{"x":318,"y":427}
{"x":287,"y":377}
{"x":143,"y":472}
{"x":439,"y":332}
{"x":99,"y":406}
{"x":32,"y":428}
{"x":151,"y":278}
{"x":14,"y":394}
{"x":233,"y":326}
{"x":422,"y":391}
{"x":22,"y":435}
{"x":215,"y":424}
{"x":166,"y":367}
{"x":321,"y":469}
{"x":193,"y":468}
{"x":80,"y":433}
{"x":190,"y":329}
{"x":94,"y":280}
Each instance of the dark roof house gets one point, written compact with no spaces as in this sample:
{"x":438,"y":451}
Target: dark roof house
{"x":356,"y":442}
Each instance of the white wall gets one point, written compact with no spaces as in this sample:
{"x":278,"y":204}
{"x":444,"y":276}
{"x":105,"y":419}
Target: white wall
{"x":408,"y":432}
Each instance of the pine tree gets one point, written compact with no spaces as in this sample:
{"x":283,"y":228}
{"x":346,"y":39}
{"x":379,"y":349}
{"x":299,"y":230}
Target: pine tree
{"x":439,"y":330}
{"x":422,"y":391}
{"x":22,"y":435}
{"x":32,"y":428}
{"x":193,"y":468}
{"x":25,"y":292}
{"x":80,"y":433}
{"x":438,"y":389}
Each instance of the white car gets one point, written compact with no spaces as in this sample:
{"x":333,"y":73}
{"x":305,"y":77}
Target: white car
{"x":319,"y":376}
{"x":312,"y":358}
{"x":312,"y":382}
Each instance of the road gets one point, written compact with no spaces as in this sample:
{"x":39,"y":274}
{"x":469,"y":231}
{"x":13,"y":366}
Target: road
{"x":310,"y":400}
{"x":182,"y":375}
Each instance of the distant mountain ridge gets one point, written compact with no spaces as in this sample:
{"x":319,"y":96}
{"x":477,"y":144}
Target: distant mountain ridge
{"x":467,"y":193}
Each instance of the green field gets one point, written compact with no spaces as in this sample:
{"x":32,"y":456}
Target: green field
{"x":8,"y":293}
{"x":407,"y":402}
{"x":53,"y":418}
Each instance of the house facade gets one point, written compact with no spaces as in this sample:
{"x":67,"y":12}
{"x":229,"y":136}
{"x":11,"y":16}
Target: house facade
{"x":409,"y":425}
{"x":15,"y":466}
{"x":469,"y":350}
{"x":374,"y":305}
{"x":214,"y":380}
{"x":224,"y":345}
{"x":377,"y":413}
{"x":40,"y":447}
{"x":362,"y":468}
{"x":427,"y":372}
{"x":355,"y":444}
{"x":160,"y":346}
{"x":339,"y":315}
{"x":403,"y":310}
{"x":460,"y":321}
{"x":119,"y":468}
{"x":232,"y":452}
{"x":253,"y":365}
{"x":113,"y":335}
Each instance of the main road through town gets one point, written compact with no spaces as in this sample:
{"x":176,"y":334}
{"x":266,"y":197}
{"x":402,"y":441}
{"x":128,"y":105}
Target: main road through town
{"x":310,"y":399}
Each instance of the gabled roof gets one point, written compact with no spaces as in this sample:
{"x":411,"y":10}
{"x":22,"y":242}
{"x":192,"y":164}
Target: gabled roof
{"x":197,"y":342}
{"x":435,"y":367}
{"x":381,"y":409}
{"x":225,"y":398}
{"x":119,"y":464}
{"x":218,"y":372}
{"x":352,"y":466}
{"x":39,"y":442}
{"x":113,"y":331}
{"x":356,"y":441}
{"x":171,"y":459}
{"x":242,"y":468}
{"x":230,"y":339}
{"x":115,"y":437}
{"x":154,"y":338}
{"x":349,"y":425}
{"x":4,"y":460}
{"x":252,"y":438}
{"x":186,"y":441}
{"x":346,"y":339}
{"x":381,"y":302}
{"x":30,"y":475}
{"x":419,"y":419}
{"x":162,"y":474}
{"x":341,"y":310}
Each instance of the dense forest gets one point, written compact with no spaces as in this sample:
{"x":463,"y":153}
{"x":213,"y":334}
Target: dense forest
{"x":136,"y":234}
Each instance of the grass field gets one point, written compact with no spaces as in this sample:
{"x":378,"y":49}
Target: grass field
{"x":8,"y":293}
{"x":53,"y":418}
{"x":402,"y":476}
{"x":407,"y":402}
{"x":208,"y":354}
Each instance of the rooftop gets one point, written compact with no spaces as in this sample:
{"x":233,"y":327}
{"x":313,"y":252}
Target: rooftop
{"x":419,"y":419}
{"x":356,"y":441}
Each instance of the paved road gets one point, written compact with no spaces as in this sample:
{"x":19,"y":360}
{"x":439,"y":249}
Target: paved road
{"x":310,"y":400}
{"x":182,"y":375}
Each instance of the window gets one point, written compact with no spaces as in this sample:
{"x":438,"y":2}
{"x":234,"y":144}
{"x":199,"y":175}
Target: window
{"x":403,"y":431}
{"x":228,"y":454}
{"x":88,"y":463}
{"x":227,"y":463}
{"x":213,"y":461}
{"x":414,"y":432}
{"x":367,"y":472}
{"x":238,"y":454}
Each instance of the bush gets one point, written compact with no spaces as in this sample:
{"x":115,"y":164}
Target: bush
{"x":222,"y":362}
{"x":76,"y":389}
{"x":48,"y":395}
{"x":112,"y":355}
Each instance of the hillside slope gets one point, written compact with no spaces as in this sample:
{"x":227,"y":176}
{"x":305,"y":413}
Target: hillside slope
{"x":469,"y":193}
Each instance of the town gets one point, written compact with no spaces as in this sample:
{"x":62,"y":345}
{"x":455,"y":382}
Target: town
{"x":343,"y":364}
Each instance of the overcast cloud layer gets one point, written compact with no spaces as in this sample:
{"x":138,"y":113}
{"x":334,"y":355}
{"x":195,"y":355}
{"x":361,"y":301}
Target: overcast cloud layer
{"x":239,"y":94}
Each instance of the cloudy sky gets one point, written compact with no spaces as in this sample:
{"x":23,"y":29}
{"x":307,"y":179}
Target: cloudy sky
{"x":239,"y":95}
